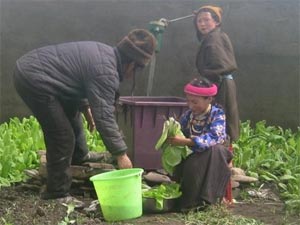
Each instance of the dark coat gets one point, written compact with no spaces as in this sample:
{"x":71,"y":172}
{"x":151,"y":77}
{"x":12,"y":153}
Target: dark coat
{"x":75,"y":71}
{"x":203,"y":177}
{"x":214,"y":60}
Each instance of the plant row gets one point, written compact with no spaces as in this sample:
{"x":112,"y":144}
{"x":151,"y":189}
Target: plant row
{"x":20,"y":141}
{"x":268,"y":153}
{"x":272,"y":155}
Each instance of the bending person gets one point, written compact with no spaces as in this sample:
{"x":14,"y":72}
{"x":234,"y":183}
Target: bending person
{"x":57,"y":82}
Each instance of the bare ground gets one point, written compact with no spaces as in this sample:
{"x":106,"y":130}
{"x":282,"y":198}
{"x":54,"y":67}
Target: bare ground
{"x":20,"y":205}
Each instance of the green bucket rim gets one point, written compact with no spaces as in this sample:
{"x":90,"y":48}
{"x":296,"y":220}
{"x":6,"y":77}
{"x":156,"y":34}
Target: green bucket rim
{"x":103,"y":176}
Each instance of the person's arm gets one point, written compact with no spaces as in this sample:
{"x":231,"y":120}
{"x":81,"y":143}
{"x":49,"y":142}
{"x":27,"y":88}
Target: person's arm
{"x":180,"y":141}
{"x":215,"y":135}
{"x":101,"y":96}
{"x":89,"y":118}
{"x":85,"y":109}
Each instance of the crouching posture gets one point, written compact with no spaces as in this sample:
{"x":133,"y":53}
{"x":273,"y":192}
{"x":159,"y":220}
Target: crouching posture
{"x":204,"y":174}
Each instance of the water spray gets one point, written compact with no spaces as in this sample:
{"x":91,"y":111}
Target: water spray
{"x":157,"y":28}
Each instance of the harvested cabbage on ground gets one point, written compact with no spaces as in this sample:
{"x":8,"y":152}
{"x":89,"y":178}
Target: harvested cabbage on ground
{"x":171,"y":155}
{"x":161,"y":192}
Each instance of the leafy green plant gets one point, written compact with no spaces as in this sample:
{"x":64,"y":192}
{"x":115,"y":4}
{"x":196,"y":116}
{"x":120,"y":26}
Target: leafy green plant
{"x":171,"y":155}
{"x":271,"y":154}
{"x":19,"y":142}
{"x":93,"y":139}
{"x":67,"y":220}
{"x":161,"y":192}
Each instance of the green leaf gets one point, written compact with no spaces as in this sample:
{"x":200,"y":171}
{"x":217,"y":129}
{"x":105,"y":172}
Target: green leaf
{"x":161,"y":192}
{"x":282,"y":186}
{"x":163,"y":136}
{"x":287,"y":177}
{"x":172,"y":155}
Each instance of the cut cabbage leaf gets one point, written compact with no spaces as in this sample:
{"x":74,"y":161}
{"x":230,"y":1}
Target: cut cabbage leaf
{"x":171,"y":155}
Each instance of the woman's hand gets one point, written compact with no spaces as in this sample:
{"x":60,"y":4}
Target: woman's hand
{"x":180,"y":141}
{"x":89,"y":118}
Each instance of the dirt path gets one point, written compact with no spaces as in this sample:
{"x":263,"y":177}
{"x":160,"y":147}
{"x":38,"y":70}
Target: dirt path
{"x":20,"y":206}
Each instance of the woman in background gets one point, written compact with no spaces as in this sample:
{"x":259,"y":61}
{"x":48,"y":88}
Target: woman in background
{"x":215,"y":61}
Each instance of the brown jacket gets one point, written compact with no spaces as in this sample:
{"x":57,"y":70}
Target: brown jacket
{"x":215,"y":59}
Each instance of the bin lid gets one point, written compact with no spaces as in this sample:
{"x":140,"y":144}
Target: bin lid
{"x":153,"y":100}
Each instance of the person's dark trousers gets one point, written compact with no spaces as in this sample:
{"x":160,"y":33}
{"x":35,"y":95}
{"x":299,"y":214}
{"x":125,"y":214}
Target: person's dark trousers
{"x":203,"y":177}
{"x":75,"y":118}
{"x":62,"y":126}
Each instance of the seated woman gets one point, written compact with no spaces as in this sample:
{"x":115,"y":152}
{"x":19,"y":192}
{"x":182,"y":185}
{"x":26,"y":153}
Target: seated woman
{"x":204,"y":174}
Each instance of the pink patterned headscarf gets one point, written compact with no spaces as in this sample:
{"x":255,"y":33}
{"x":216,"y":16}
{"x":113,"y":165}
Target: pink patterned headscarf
{"x":200,"y":91}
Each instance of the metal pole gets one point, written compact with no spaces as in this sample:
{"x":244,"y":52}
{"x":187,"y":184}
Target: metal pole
{"x":180,"y":18}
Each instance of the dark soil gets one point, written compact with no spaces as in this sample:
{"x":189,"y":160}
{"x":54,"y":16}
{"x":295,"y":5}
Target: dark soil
{"x":20,"y":205}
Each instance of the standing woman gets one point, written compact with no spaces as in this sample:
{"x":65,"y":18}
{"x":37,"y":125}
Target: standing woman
{"x":215,"y":60}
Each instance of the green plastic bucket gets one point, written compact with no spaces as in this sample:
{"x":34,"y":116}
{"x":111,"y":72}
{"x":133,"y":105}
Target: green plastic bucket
{"x":119,"y":193}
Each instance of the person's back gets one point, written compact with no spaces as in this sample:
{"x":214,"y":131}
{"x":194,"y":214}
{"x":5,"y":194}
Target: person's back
{"x":66,"y":69}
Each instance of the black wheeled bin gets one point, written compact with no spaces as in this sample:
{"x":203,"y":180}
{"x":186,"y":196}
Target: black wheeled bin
{"x":141,"y":119}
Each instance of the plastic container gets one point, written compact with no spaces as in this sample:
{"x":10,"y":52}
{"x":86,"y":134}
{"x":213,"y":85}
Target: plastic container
{"x":141,"y":120}
{"x":149,"y":205}
{"x":119,"y":193}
